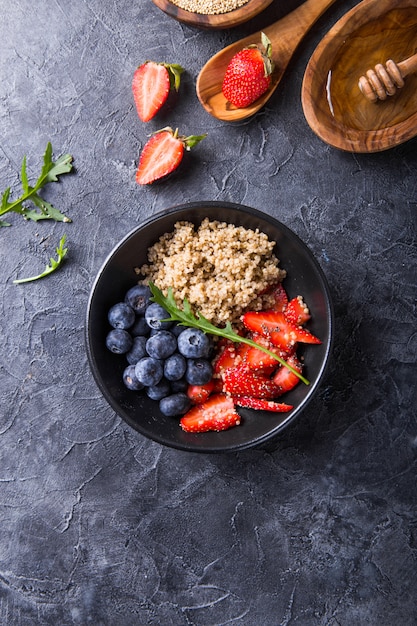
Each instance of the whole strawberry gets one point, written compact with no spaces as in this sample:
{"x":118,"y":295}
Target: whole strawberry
{"x":248,"y":74}
{"x":162,"y":154}
{"x":151,"y":85}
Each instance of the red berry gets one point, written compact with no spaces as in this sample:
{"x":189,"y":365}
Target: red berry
{"x":275,"y":326}
{"x":259,"y":404}
{"x":217,"y":413}
{"x":284,"y":378}
{"x":162,"y":154}
{"x":151,"y":85}
{"x":248,"y":74}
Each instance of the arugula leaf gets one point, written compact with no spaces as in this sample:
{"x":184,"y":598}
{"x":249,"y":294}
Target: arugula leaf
{"x":54,"y":264}
{"x":185,"y":317}
{"x":44,"y":210}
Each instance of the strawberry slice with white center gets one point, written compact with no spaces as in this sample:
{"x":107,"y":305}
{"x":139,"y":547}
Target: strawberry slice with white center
{"x":217,"y":413}
{"x":284,"y":379}
{"x":275,"y":326}
{"x":151,"y":85}
{"x":297,"y":311}
{"x":242,"y":381}
{"x":259,"y":404}
{"x":259,"y":360}
{"x":162,"y":154}
{"x":226,"y":359}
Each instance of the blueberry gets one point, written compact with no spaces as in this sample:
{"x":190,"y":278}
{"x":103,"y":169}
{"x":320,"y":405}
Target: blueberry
{"x":140,"y":327}
{"x":179,"y":385}
{"x":159,"y":391}
{"x":175,"y":367}
{"x":199,"y":371}
{"x":137,"y":351}
{"x":121,"y":315}
{"x":138,"y":298}
{"x":175,"y":404}
{"x":193,"y":343}
{"x":177,"y":329}
{"x":161,"y":345}
{"x":154,"y":315}
{"x":119,"y":341}
{"x":149,"y":371}
{"x":130,"y":380}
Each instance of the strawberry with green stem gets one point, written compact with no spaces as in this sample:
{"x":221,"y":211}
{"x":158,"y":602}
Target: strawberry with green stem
{"x":162,"y":154}
{"x":248,"y":74}
{"x":151,"y":85}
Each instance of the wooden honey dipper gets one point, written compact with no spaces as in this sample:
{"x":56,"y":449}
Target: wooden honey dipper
{"x":383,"y":81}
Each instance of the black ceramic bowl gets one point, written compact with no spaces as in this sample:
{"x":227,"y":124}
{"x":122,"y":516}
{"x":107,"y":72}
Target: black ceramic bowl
{"x":304,"y":277}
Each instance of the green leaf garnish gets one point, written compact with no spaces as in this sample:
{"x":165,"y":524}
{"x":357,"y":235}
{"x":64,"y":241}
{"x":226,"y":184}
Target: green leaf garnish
{"x":174,"y":73}
{"x":54,"y":264}
{"x":44,"y":210}
{"x":185,"y":317}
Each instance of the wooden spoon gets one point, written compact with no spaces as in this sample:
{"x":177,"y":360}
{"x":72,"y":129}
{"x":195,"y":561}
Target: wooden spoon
{"x":285,"y":36}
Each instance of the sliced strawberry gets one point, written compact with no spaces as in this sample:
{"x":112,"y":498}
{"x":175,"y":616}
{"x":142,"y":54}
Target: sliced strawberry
{"x":200,"y":393}
{"x":261,"y":361}
{"x":162,"y":154}
{"x":151,"y":85}
{"x":285,"y":379}
{"x":297,"y":311}
{"x":242,"y":381}
{"x":226,"y":359}
{"x":280,"y":297}
{"x":261,"y":405}
{"x":217,"y":413}
{"x":277,"y":328}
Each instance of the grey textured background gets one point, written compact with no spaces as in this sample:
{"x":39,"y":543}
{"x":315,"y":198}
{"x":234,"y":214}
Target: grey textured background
{"x":100,"y":526}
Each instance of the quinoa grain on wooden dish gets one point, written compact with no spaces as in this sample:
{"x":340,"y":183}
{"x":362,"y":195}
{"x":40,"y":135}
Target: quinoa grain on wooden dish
{"x":209,"y":7}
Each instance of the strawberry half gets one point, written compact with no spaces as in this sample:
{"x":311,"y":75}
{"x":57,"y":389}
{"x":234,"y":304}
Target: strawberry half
{"x":275,"y":326}
{"x":248,"y":74}
{"x":261,"y":405}
{"x":151,"y":85}
{"x":162,"y":154}
{"x":217,"y":413}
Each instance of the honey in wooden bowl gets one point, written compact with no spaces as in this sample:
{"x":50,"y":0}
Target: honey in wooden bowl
{"x":334,"y":106}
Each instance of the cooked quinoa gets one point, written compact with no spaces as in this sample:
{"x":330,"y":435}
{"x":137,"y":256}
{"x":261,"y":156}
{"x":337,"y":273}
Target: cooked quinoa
{"x":220,"y":268}
{"x":209,"y":7}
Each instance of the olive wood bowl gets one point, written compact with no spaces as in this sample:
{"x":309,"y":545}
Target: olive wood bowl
{"x":333,"y":104}
{"x":219,"y":21}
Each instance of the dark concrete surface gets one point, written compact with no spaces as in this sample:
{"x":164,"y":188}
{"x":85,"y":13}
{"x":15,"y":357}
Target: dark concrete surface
{"x":100,"y":526}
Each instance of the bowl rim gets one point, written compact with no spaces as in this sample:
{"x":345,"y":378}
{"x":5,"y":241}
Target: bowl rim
{"x":292,"y":415}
